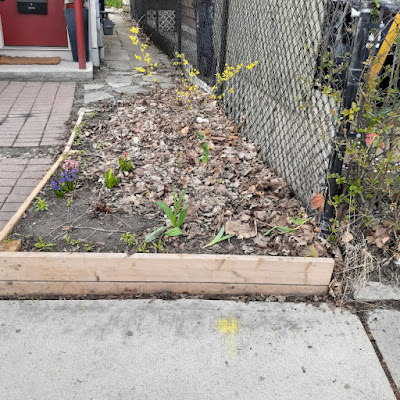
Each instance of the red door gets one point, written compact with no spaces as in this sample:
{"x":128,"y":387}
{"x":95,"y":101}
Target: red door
{"x":34,"y":29}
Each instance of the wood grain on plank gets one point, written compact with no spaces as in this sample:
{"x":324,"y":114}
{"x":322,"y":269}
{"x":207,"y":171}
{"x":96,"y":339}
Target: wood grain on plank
{"x":165,"y":268}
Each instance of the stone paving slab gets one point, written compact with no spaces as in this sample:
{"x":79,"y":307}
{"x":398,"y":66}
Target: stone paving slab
{"x":375,"y":291}
{"x":92,"y":97}
{"x":185,"y":350}
{"x":132,"y":90}
{"x":385,"y":328}
{"x":93,"y":86}
{"x":33,"y":113}
{"x":19,"y":176}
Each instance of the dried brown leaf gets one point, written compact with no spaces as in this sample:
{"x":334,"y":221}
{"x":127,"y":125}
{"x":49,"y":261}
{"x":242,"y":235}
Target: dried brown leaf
{"x":347,"y":237}
{"x":381,"y":236}
{"x":334,"y":288}
{"x":240,"y":230}
{"x":185,"y":131}
{"x":318,"y":202}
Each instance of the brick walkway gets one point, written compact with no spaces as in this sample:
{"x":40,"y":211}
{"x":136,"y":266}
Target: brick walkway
{"x":33,"y":113}
{"x":18,"y":177}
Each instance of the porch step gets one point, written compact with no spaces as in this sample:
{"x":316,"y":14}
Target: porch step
{"x":63,"y":72}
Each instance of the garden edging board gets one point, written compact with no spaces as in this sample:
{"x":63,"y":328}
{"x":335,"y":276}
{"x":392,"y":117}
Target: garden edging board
{"x":13,"y":222}
{"x":44,"y":274}
{"x":72,"y":274}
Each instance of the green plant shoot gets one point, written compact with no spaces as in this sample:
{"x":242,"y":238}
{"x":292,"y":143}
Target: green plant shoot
{"x":41,"y":245}
{"x":206,"y":151}
{"x":41,"y":205}
{"x":218,"y":238}
{"x":124,"y":163}
{"x":178,"y":216}
{"x":111,"y":179}
{"x":297,"y":221}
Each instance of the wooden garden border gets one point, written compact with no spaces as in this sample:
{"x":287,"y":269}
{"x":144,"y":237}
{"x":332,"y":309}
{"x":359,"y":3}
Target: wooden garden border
{"x":71,"y":274}
{"x":13,"y":222}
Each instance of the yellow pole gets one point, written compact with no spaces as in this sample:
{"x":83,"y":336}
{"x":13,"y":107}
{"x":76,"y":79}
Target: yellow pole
{"x":384,"y":50}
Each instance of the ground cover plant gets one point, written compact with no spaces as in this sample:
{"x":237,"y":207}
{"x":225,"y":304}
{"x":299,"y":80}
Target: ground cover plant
{"x":114,"y":3}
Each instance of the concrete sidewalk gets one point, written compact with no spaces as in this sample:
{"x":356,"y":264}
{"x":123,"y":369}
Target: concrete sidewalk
{"x":184,"y":350}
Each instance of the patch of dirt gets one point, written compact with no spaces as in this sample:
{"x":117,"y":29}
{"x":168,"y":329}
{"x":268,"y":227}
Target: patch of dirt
{"x":164,"y":139}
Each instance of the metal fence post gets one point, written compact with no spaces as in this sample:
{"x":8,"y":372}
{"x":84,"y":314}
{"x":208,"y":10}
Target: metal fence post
{"x":178,"y":20}
{"x":354,"y":75}
{"x":224,"y":35}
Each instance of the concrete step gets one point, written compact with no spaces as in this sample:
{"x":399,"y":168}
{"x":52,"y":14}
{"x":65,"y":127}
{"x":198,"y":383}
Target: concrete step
{"x":65,"y":71}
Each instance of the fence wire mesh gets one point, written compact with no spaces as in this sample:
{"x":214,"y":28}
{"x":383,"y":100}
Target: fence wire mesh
{"x":310,"y":55}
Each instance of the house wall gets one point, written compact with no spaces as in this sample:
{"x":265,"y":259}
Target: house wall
{"x":95,"y":41}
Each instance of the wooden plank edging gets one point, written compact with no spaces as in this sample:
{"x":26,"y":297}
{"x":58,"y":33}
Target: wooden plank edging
{"x":13,"y":222}
{"x":116,"y":273}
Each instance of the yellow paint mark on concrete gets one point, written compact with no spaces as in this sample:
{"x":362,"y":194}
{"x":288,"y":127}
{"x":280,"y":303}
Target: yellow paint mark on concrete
{"x":228,"y":325}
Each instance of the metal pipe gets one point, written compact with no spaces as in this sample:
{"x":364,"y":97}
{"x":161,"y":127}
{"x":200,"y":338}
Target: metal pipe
{"x":179,"y":25}
{"x":80,"y":35}
{"x":224,"y":34}
{"x":350,"y":95}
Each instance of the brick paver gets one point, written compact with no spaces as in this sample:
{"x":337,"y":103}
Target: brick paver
{"x":19,"y":177}
{"x":33,"y":113}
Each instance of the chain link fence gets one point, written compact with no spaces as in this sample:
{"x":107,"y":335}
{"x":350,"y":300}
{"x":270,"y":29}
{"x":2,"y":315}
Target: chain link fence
{"x":159,"y":20}
{"x":311,"y":55}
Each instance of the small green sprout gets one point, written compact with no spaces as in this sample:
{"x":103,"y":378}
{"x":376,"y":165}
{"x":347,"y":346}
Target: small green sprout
{"x":41,"y":205}
{"x":218,"y":238}
{"x":129,"y":239}
{"x":124,"y":163}
{"x":111,"y":179}
{"x":206,"y":151}
{"x":159,"y":247}
{"x":88,"y":246}
{"x":41,"y":245}
{"x":72,"y":242}
{"x":297,"y":221}
{"x":204,"y":147}
{"x":143,"y":249}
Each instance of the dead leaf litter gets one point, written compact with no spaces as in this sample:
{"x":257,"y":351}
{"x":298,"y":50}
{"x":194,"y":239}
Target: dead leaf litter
{"x":234,"y":188}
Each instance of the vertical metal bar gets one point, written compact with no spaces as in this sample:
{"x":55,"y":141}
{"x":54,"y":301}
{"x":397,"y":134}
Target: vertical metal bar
{"x":350,"y":95}
{"x":178,"y":21}
{"x":224,"y":34}
{"x":80,"y":35}
{"x":196,"y":9}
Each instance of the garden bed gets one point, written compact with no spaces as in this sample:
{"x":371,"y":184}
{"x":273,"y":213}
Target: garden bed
{"x":233,"y":189}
